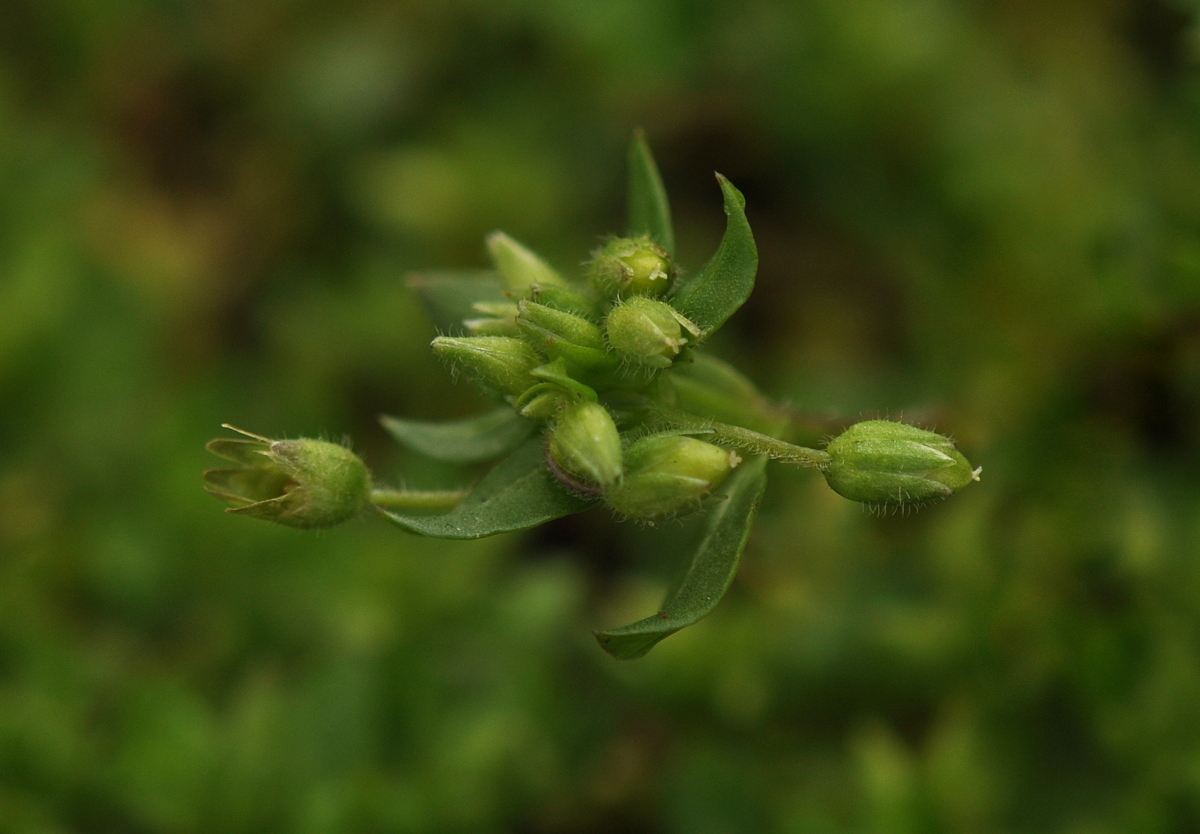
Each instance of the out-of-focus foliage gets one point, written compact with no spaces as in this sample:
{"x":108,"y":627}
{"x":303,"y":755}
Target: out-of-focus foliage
{"x":982,"y":216}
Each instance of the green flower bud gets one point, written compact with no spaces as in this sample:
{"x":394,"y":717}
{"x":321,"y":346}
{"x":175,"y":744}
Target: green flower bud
{"x":888,"y":464}
{"x":500,"y":364}
{"x":585,"y":448}
{"x":299,"y":483}
{"x":566,"y":336}
{"x":631,"y":266}
{"x":499,"y":319}
{"x":668,"y":473}
{"x":567,"y":299}
{"x":647,"y":332}
{"x":518,"y":266}
{"x":545,"y":327}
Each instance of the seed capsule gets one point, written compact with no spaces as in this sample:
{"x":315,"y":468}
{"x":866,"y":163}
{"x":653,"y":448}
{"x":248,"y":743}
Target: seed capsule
{"x":298,"y":483}
{"x":888,"y":464}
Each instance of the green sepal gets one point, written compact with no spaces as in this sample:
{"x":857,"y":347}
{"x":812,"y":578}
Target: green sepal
{"x":450,"y":295}
{"x":520,"y":492}
{"x":716,"y":292}
{"x":475,"y":439}
{"x":726,"y":531}
{"x":649,"y":210}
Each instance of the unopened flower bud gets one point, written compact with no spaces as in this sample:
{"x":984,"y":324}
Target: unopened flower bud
{"x":667,"y":474}
{"x":500,"y":364}
{"x":567,"y":299}
{"x":298,"y":483}
{"x":585,"y":448}
{"x":647,"y":332}
{"x":631,"y":266}
{"x":574,"y":339}
{"x":518,"y":266}
{"x":499,"y":319}
{"x":888,"y":464}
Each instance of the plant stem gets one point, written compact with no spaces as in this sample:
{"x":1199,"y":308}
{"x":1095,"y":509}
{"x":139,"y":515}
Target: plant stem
{"x":429,"y":501}
{"x":743,"y":439}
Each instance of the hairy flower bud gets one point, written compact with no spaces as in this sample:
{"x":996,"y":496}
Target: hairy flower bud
{"x":669,"y":473}
{"x":631,"y":266}
{"x":888,"y":464}
{"x":518,"y":266}
{"x":566,"y":336}
{"x":647,"y":332}
{"x":567,"y":299}
{"x":585,"y":448}
{"x":500,"y":364}
{"x":298,"y":483}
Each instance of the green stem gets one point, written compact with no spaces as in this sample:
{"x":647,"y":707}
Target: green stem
{"x":426,"y":501}
{"x":744,"y":440}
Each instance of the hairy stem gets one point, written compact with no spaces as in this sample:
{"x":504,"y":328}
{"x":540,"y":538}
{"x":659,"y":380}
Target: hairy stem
{"x":745,"y":440}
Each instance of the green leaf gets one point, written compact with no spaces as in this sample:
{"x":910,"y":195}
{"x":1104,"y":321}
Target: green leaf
{"x":450,"y":294}
{"x":519,"y":493}
{"x":716,"y":292}
{"x":711,"y":572}
{"x":649,"y":211}
{"x":473,"y":440}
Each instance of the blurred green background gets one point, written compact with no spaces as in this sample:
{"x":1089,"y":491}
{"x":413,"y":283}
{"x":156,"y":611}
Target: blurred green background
{"x":981,"y":216}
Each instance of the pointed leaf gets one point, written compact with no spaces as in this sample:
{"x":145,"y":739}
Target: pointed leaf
{"x":449,"y":294}
{"x":716,"y":292}
{"x":473,"y":440}
{"x":519,"y":493}
{"x":712,"y":570}
{"x":649,"y":211}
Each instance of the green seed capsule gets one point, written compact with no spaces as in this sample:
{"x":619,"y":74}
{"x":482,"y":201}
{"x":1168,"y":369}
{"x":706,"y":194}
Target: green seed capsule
{"x":298,"y":483}
{"x":888,"y":464}
{"x":631,"y":266}
{"x":501,"y":364}
{"x":668,"y":474}
{"x":586,"y":448}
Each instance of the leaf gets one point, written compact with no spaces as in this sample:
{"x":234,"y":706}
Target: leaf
{"x":519,"y":493}
{"x":716,"y":292}
{"x":711,"y":572}
{"x":473,"y":440}
{"x":449,"y":294}
{"x":649,"y":211}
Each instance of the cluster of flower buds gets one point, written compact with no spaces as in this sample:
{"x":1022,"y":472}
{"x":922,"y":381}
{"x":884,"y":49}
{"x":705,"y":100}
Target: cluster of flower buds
{"x":653,"y":476}
{"x":557,"y":349}
{"x":555,"y":342}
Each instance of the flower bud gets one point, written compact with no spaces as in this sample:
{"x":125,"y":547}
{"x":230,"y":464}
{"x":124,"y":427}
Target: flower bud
{"x":499,"y":363}
{"x":299,"y":483}
{"x":886,"y":464}
{"x":668,"y":473}
{"x":499,"y":319}
{"x":567,"y":299}
{"x":646,"y":332}
{"x":631,"y":266}
{"x":586,"y":448}
{"x":574,"y":339}
{"x":518,"y":266}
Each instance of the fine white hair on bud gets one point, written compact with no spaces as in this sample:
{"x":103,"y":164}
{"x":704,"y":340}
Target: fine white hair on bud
{"x":893,"y":465}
